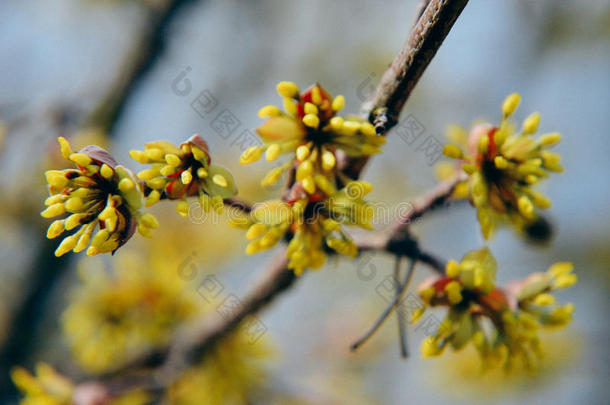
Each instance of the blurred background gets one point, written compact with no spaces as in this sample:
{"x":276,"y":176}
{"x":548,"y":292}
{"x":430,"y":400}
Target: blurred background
{"x":136,"y":71}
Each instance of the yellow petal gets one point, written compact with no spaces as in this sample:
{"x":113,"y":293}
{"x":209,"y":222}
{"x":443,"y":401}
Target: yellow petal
{"x":280,"y":129}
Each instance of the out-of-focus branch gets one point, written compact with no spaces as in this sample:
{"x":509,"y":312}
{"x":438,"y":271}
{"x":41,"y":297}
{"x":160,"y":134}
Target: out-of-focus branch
{"x":143,"y":54}
{"x":189,"y":347}
{"x":395,"y":87}
{"x":46,"y":268}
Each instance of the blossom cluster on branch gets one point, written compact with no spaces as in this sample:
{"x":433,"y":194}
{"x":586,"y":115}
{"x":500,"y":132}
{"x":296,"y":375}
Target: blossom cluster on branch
{"x":103,"y":203}
{"x":501,"y":322}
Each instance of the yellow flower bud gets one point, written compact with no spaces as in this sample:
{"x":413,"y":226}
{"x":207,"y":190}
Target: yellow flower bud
{"x":302,"y":152}
{"x":544,"y":299}
{"x":310,"y":108}
{"x":251,"y":155}
{"x":220,"y":180}
{"x":202,"y":173}
{"x":149,"y":221}
{"x":53,"y":211}
{"x":550,"y":139}
{"x":186,"y":177}
{"x":328,"y":160}
{"x":80,"y":159}
{"x":530,"y":125}
{"x":290,"y":106}
{"x":64,"y":147}
{"x":106,"y":171}
{"x":138,"y":156}
{"x":336,"y":123}
{"x":316,"y":95}
{"x":311,"y":120}
{"x":153,"y":198}
{"x":288,"y":89}
{"x":182,"y":208}
{"x":510,"y":104}
{"x":66,"y":245}
{"x":256,"y":231}
{"x":500,"y":162}
{"x":272,"y":177}
{"x":430,"y":347}
{"x":126,"y":185}
{"x":338,"y":103}
{"x":305,"y":169}
{"x":173,"y":160}
{"x":309,"y":184}
{"x":526,"y":208}
{"x":560,"y":268}
{"x":564,"y":281}
{"x":269,"y":111}
{"x":452,"y":269}
{"x":273,"y":151}
{"x":55,"y":229}
{"x":452,"y":151}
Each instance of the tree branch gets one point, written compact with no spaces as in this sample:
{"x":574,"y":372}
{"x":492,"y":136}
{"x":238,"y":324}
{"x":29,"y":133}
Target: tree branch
{"x":407,"y":67}
{"x":398,"y":240}
{"x":384,"y":106}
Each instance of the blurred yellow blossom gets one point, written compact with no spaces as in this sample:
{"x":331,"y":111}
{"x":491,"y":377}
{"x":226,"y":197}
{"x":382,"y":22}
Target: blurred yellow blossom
{"x":228,"y":374}
{"x":114,"y":315}
{"x":502,"y":323}
{"x":503,"y":165}
{"x":47,"y":387}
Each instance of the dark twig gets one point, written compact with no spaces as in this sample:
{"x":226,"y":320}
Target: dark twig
{"x":239,"y":204}
{"x":400,"y":314}
{"x":384,"y":315}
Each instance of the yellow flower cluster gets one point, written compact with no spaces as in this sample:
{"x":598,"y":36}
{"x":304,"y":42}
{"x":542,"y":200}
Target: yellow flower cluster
{"x":314,"y":222}
{"x":311,"y":131}
{"x":311,"y":216}
{"x":180,"y":172}
{"x":115,"y":315}
{"x":99,"y":193}
{"x":502,"y":324}
{"x":47,"y":387}
{"x":229,"y":374}
{"x":503,"y":165}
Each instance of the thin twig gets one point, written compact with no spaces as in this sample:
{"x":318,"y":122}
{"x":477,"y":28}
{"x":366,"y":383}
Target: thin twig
{"x":384,"y":315}
{"x":239,"y":204}
{"x":402,"y":321}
